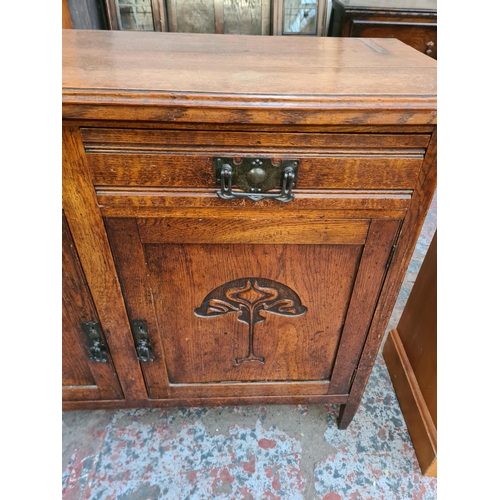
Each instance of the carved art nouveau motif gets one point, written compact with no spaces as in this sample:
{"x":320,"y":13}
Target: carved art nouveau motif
{"x":250,"y":297}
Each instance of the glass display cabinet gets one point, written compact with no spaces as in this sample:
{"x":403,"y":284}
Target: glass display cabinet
{"x":299,"y":17}
{"x":243,"y":17}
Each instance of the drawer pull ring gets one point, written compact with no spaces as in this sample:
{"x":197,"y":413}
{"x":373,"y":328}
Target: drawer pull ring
{"x":255,"y":176}
{"x":142,"y":342}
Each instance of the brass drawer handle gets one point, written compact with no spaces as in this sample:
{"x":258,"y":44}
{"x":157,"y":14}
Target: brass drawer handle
{"x":255,"y":176}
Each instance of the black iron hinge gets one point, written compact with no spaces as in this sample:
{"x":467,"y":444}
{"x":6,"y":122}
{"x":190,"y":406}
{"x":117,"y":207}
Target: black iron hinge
{"x":142,"y":342}
{"x":95,"y":341}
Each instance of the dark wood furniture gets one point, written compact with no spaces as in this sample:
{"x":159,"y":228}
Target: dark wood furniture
{"x":414,"y":22}
{"x":204,"y":293}
{"x":410,"y":353}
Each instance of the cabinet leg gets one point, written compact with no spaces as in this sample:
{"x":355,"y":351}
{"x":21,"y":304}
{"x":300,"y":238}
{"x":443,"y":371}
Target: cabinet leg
{"x":346,"y":414}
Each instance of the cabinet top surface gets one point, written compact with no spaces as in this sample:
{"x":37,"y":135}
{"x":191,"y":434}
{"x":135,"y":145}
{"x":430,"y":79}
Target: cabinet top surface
{"x":428,"y":5}
{"x":117,"y":67}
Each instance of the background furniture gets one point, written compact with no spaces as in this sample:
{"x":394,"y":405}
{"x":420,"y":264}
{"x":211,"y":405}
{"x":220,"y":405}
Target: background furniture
{"x":243,"y":17}
{"x":87,"y":14}
{"x":299,"y":17}
{"x":66,"y":16}
{"x":205,"y":293}
{"x":410,"y":353}
{"x":414,"y":22}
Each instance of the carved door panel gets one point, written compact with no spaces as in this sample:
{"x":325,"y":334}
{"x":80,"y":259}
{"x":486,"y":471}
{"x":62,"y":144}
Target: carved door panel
{"x":264,"y":303}
{"x":83,"y":379}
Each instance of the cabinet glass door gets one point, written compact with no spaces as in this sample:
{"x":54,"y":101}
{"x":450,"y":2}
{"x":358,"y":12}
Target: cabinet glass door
{"x":300,"y":16}
{"x":135,"y":15}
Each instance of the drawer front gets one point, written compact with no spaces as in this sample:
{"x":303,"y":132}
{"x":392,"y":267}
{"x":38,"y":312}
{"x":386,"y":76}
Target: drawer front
{"x":419,"y":35}
{"x":177,"y":168}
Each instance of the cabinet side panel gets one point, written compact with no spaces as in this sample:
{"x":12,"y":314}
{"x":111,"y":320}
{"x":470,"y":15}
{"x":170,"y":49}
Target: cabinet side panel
{"x":407,"y":240}
{"x":417,"y":329}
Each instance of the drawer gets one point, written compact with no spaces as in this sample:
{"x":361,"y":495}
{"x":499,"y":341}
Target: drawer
{"x":419,"y":35}
{"x":140,"y":168}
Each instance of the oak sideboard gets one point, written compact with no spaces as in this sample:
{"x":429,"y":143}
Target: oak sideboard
{"x":238,"y":214}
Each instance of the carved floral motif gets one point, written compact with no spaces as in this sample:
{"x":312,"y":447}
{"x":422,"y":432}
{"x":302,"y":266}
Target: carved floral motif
{"x":250,"y":297}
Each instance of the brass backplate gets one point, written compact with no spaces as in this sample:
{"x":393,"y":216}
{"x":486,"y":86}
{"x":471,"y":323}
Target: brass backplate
{"x":256,"y":175}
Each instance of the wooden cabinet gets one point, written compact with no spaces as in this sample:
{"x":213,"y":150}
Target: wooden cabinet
{"x":414,"y":22}
{"x":243,"y":230}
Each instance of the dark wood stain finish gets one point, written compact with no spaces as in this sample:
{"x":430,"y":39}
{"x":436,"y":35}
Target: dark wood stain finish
{"x":158,"y":245}
{"x":412,"y":22}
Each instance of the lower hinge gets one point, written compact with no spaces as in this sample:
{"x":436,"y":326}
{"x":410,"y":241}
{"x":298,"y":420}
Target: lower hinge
{"x":142,"y":342}
{"x":95,"y":341}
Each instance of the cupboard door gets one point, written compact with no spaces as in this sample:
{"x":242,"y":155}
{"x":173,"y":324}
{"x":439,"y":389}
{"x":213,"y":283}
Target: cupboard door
{"x":82,"y":379}
{"x":250,"y":307}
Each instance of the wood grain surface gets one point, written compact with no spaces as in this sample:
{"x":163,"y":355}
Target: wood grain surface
{"x":82,"y":379}
{"x":197,"y":171}
{"x":133,"y":273}
{"x":174,"y":76}
{"x":200,"y":350}
{"x":369,"y":280}
{"x":295,"y":348}
{"x":253,"y":231}
{"x":176,"y":140}
{"x":410,"y":353}
{"x":205,"y":401}
{"x":405,"y":244}
{"x":89,"y":234}
{"x":145,"y":116}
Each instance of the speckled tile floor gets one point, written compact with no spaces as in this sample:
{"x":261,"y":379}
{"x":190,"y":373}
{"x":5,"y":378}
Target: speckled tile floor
{"x":263,"y":452}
